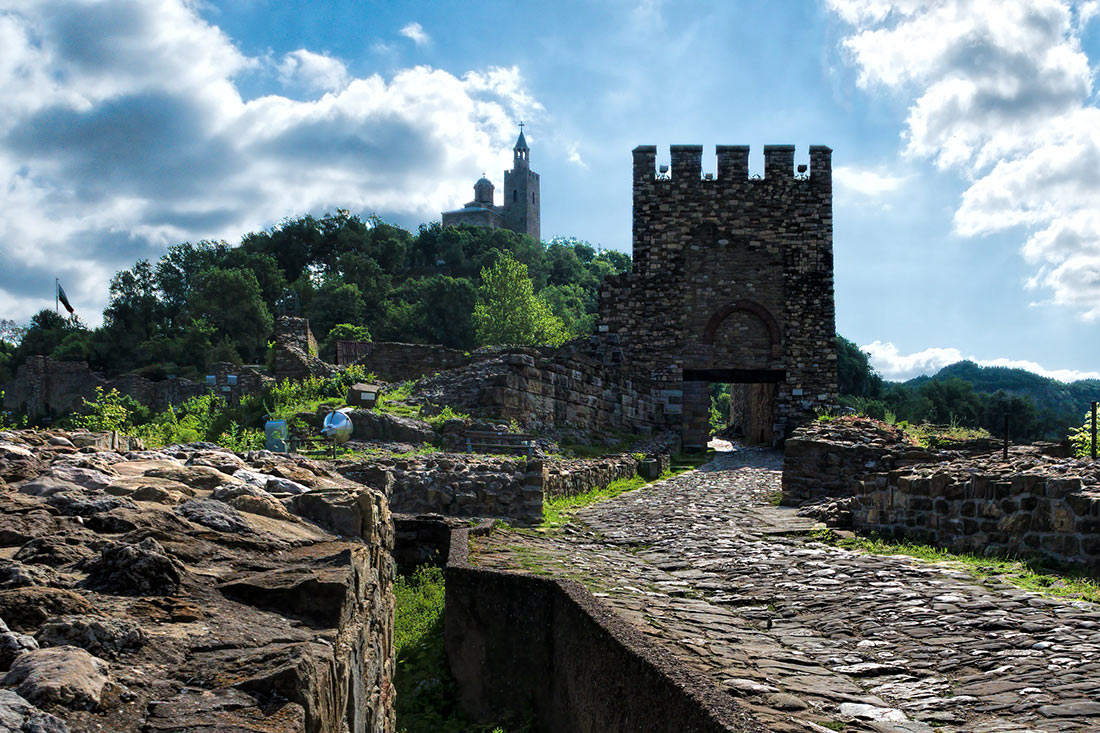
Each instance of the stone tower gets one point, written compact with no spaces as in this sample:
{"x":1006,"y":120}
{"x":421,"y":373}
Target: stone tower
{"x":732,"y":283}
{"x":521,"y":192}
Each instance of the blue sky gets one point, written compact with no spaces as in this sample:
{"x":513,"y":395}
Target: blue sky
{"x":966,"y":138}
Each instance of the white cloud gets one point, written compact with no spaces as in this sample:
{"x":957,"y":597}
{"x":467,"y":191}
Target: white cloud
{"x":893,"y":365}
{"x":122,"y":131}
{"x":314,"y":71}
{"x":573,"y":156}
{"x":866,"y":182}
{"x":415,"y":33}
{"x":1000,"y":92}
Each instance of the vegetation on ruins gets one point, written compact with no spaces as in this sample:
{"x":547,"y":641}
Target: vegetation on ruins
{"x":425,"y":689}
{"x":209,"y":301}
{"x":1031,"y":574}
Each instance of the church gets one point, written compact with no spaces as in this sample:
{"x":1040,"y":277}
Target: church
{"x":520,"y":210}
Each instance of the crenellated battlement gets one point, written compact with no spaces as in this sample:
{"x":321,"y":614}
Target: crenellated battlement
{"x":732,"y":165}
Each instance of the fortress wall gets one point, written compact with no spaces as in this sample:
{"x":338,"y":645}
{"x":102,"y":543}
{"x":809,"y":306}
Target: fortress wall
{"x":968,"y":498}
{"x":521,"y":645}
{"x":568,"y":389}
{"x":397,"y":362}
{"x":968,"y":506}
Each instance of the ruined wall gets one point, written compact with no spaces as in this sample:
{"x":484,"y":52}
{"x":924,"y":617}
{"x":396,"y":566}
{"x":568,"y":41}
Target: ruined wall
{"x":396,"y":362}
{"x":569,"y":478}
{"x":968,"y":499}
{"x":465,"y":485}
{"x":296,"y":351}
{"x":44,"y":387}
{"x":1024,"y":507}
{"x":732,"y":282}
{"x":519,"y":645}
{"x":456,"y":485}
{"x":571,"y":387}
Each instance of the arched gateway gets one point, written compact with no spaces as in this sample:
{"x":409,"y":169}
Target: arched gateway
{"x":732,"y":283}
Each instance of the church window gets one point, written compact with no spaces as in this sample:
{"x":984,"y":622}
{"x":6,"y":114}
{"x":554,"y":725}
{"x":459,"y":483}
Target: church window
{"x":515,"y":195}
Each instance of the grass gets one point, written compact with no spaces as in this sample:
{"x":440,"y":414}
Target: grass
{"x":425,"y":688}
{"x":556,"y":510}
{"x":1028,"y":574}
{"x":943,"y":436}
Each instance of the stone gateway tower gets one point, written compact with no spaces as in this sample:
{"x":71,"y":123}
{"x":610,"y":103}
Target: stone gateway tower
{"x":520,"y":211}
{"x":732,"y":283}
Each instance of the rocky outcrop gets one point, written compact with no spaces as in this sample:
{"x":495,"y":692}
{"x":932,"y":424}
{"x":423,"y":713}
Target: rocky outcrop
{"x":371,"y":425}
{"x":157,"y":591}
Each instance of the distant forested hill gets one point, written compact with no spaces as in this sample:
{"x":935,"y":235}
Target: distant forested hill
{"x":1069,"y":398}
{"x":969,"y":395}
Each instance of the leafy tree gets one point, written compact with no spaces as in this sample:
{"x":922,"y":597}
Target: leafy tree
{"x":436,"y":309}
{"x":855,"y":376}
{"x":567,"y":302}
{"x":507,"y":311}
{"x":231,"y":301}
{"x":342,"y":332}
{"x":334,"y":302}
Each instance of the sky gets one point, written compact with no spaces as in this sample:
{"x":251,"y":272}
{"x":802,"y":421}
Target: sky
{"x":966,"y":139}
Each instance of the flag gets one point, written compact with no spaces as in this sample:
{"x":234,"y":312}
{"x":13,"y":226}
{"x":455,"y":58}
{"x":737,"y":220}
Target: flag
{"x":64,"y":299}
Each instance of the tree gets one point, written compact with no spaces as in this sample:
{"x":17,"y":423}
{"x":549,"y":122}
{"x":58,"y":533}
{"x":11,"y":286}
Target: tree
{"x":342,"y":332}
{"x":507,"y":311}
{"x":854,"y":374}
{"x":334,"y":302}
{"x":435,"y":309}
{"x":231,"y":301}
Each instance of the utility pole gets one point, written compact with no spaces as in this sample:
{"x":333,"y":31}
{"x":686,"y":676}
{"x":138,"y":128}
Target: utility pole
{"x":1094,"y":430}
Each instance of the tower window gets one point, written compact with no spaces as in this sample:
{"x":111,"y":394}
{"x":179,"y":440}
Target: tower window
{"x":515,"y":195}
{"x":532,"y":198}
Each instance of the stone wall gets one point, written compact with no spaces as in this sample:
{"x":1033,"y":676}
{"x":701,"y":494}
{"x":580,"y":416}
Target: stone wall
{"x":465,"y":485}
{"x":580,"y":387}
{"x":296,"y":351}
{"x":1029,"y":505}
{"x":46,"y":388}
{"x":864,"y":475}
{"x":569,"y":478}
{"x":827,"y":460}
{"x":732,"y":282}
{"x":521,"y":645}
{"x":456,"y":485}
{"x":396,"y":362}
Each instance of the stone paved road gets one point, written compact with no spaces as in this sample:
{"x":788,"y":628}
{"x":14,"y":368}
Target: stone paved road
{"x":810,"y":636}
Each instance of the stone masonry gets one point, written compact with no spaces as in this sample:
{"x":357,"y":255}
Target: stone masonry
{"x":732,"y":282}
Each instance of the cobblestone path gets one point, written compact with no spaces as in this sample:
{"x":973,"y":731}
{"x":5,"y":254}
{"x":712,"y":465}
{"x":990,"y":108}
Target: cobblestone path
{"x":809,"y":636}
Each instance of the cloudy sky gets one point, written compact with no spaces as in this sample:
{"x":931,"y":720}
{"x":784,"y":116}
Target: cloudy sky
{"x":966,"y":137}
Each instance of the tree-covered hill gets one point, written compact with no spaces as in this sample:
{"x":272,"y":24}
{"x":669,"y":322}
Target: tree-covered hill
{"x":211,"y":301}
{"x":969,"y":395}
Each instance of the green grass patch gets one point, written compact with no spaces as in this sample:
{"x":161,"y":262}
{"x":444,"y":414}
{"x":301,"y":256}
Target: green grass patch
{"x":942,"y":436}
{"x":425,"y":688}
{"x":555,"y":511}
{"x":1028,"y":574}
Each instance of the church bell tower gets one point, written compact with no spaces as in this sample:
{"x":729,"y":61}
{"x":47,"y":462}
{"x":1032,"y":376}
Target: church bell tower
{"x":521,"y":191}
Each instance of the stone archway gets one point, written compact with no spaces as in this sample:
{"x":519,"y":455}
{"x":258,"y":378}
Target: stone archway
{"x":741,"y":345}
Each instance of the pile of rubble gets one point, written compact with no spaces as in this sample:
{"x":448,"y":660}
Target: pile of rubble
{"x":189,"y":588}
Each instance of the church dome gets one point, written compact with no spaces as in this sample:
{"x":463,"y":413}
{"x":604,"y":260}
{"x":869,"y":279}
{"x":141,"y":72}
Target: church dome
{"x":483,"y":191}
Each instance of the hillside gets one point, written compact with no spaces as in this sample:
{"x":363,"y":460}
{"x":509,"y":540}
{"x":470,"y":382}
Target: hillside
{"x":1059,"y":401}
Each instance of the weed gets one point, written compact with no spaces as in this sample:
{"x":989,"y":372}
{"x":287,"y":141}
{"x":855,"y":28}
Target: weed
{"x":556,"y":510}
{"x":425,"y":688}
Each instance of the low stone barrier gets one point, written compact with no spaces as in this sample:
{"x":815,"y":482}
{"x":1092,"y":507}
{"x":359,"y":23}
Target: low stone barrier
{"x":827,"y":460}
{"x":522,"y":645}
{"x":1031,"y":505}
{"x":456,"y":485}
{"x":572,"y":477}
{"x":465,"y":485}
{"x":861,"y":474}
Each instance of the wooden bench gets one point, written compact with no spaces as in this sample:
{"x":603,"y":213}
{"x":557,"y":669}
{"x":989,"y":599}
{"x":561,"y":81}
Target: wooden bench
{"x":490,"y":441}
